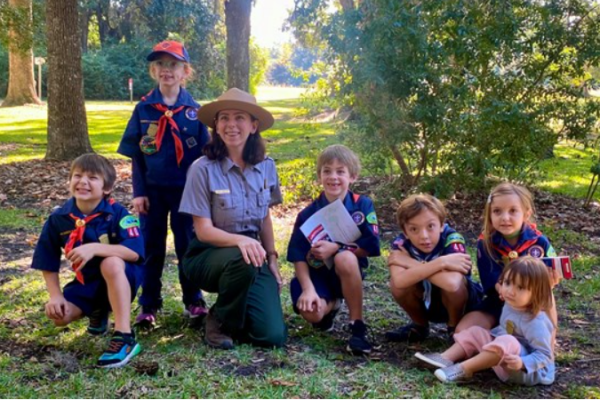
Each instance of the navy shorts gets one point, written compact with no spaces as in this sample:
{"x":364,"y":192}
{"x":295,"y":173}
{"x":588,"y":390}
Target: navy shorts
{"x":327,"y":285}
{"x":437,"y":311}
{"x":491,"y":304}
{"x":93,"y":295}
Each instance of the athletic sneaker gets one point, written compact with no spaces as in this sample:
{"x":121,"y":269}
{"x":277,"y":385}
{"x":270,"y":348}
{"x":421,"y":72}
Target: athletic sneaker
{"x":98,"y":324}
{"x":146,"y":319}
{"x":195,"y":310}
{"x":326,"y":324}
{"x":434,"y":359}
{"x":411,"y":333}
{"x":121,"y":349}
{"x":358,"y":343}
{"x":454,"y":373}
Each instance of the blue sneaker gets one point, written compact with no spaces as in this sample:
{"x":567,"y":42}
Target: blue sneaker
{"x":121,"y":350}
{"x":98,"y":324}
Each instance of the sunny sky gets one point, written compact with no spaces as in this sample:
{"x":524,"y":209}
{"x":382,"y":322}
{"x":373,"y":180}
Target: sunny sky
{"x":267,"y":19}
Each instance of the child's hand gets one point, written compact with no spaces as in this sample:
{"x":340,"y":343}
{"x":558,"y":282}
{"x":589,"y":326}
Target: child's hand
{"x":396,"y":256}
{"x":555,"y":278}
{"x":457,"y":262}
{"x":141,"y":205}
{"x":309,"y":301}
{"x":498,"y":287}
{"x":324,"y":249}
{"x":82,"y":254}
{"x":513,"y":361}
{"x":56,"y":308}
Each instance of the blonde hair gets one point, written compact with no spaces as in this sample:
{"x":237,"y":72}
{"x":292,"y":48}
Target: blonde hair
{"x":504,"y":189}
{"x":190,"y":72}
{"x":532,"y":274}
{"x":415,"y":204}
{"x":343,"y":155}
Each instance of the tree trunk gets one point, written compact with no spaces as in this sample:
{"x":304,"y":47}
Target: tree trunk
{"x":21,"y":82}
{"x":67,"y":123}
{"x":237,"y":21}
{"x":84,"y":20}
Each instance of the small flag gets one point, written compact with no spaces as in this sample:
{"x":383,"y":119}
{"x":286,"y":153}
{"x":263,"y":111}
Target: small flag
{"x":561,"y":264}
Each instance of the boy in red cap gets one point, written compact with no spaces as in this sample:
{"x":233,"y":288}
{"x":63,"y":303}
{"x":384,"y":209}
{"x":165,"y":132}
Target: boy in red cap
{"x":163,"y":138}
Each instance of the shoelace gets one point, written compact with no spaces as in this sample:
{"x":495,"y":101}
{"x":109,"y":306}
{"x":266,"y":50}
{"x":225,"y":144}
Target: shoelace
{"x":115,"y":345}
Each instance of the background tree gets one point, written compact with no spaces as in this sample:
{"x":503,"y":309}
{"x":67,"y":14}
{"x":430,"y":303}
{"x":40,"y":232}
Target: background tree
{"x":67,"y":122}
{"x":21,"y":83}
{"x":237,"y":21}
{"x":447,"y":94}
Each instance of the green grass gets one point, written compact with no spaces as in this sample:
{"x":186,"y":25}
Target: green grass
{"x":568,"y":172}
{"x":40,"y":360}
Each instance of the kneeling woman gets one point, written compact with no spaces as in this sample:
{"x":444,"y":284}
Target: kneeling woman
{"x":228,"y":192}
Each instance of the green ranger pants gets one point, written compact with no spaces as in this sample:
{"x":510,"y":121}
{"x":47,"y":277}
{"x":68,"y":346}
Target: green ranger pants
{"x":248,"y":302}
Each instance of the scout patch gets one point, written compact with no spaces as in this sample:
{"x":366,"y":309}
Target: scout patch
{"x":191,"y":142}
{"x":458,"y":247}
{"x":551,"y":252}
{"x":372,"y":218}
{"x":313,"y":262}
{"x":536,"y":251}
{"x":454,"y":238}
{"x":104,"y":239}
{"x":191,"y":114}
{"x":358,"y":217}
{"x":148,"y":145}
{"x":129,"y":221}
{"x":152,"y":129}
{"x":375,"y":229}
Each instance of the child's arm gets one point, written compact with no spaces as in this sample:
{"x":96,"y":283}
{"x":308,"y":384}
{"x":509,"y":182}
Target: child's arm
{"x":57,"y":305}
{"x":84,"y":253}
{"x":309,"y":299}
{"x":538,"y":333}
{"x":406,"y":271}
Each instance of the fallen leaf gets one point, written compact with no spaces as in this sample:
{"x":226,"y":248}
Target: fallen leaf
{"x":278,"y":382}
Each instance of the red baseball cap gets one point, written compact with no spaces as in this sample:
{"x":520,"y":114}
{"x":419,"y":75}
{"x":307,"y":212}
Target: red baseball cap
{"x":170,"y":47}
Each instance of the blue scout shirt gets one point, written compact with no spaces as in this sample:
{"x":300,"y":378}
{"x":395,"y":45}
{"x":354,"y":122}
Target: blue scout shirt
{"x":363,"y":213}
{"x":115,"y":225}
{"x":236,"y":201}
{"x":531,"y":243}
{"x":450,"y":242}
{"x":161,"y":168}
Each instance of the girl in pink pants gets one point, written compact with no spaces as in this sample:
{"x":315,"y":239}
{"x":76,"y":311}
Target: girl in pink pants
{"x":520,"y":349}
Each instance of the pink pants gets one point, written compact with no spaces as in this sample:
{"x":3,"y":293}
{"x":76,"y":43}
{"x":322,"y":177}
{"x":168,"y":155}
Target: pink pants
{"x":476,"y":339}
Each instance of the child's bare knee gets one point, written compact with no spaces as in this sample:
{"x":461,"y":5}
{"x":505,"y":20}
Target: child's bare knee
{"x":312,"y":316}
{"x":403,"y":293}
{"x":112,"y":267}
{"x":346,"y":264}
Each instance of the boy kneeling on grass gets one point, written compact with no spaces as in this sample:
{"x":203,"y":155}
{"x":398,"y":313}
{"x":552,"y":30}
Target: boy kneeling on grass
{"x":430,"y":270}
{"x":102,"y":242}
{"x":316,"y":290}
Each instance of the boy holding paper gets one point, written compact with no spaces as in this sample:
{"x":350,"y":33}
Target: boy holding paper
{"x":317,"y":290}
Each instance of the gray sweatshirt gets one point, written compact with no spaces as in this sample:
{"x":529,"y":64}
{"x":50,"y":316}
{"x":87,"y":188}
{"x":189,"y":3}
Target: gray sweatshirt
{"x":535,"y":336}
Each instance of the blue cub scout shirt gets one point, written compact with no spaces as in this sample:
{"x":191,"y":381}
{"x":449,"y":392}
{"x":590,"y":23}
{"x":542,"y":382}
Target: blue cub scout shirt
{"x":450,"y":242}
{"x":114,"y":225}
{"x":161,"y":168}
{"x":490,"y":267}
{"x":363,"y":213}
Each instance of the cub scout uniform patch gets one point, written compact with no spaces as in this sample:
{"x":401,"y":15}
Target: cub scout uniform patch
{"x":131,"y":224}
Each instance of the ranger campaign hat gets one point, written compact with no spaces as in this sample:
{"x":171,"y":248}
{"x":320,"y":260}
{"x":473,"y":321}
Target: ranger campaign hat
{"x":236,"y":99}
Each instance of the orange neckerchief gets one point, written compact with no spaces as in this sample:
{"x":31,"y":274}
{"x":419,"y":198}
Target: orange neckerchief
{"x":76,"y":239}
{"x":167,"y":118}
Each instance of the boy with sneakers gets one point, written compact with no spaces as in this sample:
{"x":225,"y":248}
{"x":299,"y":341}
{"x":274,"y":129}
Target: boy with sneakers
{"x":102,"y":242}
{"x":430,"y":270}
{"x":317,"y":291}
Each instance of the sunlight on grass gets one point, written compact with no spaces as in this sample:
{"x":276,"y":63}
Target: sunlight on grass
{"x":568,"y":172}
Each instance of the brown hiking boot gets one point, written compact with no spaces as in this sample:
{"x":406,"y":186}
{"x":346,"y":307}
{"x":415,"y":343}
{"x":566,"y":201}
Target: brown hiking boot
{"x":213,"y":336}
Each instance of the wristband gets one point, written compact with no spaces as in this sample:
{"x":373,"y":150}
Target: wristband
{"x":273,"y":253}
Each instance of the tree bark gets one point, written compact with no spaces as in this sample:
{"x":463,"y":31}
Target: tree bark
{"x":237,"y":21}
{"x":67,"y":123}
{"x":84,"y":20}
{"x":21,"y":82}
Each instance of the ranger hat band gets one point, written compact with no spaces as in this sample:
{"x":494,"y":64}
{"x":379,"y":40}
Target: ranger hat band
{"x":236,"y":99}
{"x":170,"y":47}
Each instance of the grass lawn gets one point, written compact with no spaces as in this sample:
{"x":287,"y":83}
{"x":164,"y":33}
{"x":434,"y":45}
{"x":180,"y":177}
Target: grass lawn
{"x":39,"y":360}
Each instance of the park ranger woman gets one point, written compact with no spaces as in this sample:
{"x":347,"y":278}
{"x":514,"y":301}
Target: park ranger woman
{"x":228,"y":193}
